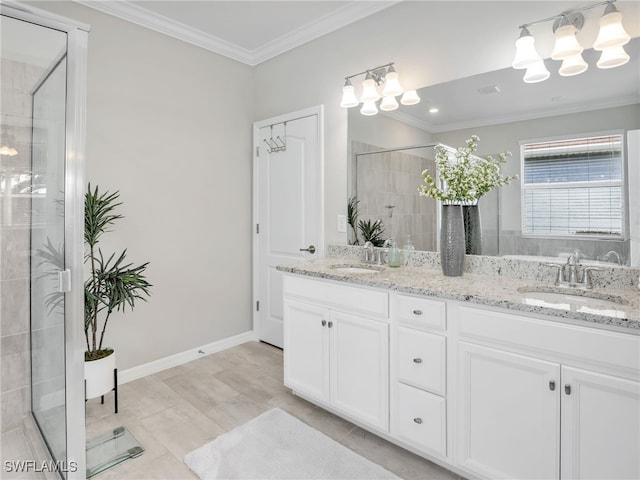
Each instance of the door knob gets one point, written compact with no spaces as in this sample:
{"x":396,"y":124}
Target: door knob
{"x":311,"y":249}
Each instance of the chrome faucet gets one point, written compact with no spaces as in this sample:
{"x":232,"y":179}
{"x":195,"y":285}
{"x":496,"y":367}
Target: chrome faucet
{"x":368,"y":252}
{"x":572,"y":274}
{"x":613,"y":257}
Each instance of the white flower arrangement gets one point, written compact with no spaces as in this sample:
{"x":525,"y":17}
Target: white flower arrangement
{"x":463,"y":176}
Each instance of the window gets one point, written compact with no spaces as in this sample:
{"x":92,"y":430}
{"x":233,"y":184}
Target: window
{"x":573,"y":187}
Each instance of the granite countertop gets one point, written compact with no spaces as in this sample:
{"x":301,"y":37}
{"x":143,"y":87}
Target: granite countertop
{"x":479,"y":289}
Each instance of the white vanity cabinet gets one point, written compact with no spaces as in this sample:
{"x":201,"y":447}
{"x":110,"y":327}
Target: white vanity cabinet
{"x":418,"y":389}
{"x":336,"y":351}
{"x":540,"y":399}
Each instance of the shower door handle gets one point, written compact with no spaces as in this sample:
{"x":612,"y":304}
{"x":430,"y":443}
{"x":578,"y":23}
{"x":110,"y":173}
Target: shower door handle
{"x":64,"y":281}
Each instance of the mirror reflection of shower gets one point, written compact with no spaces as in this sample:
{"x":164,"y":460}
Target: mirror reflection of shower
{"x":386,"y":186}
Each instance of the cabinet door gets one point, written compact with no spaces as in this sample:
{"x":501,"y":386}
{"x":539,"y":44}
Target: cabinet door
{"x":359,"y":359}
{"x":508,"y":422}
{"x":306,"y":349}
{"x":600,"y":426}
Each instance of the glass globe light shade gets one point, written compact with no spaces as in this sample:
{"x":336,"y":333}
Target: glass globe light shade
{"x":611,"y":33}
{"x":410,"y":97}
{"x":369,"y":90}
{"x":392,"y":86}
{"x":613,"y":57}
{"x":349,"y":98}
{"x":566,"y":43}
{"x":369,"y":108}
{"x":573,"y":65}
{"x":526,"y":53}
{"x":536,"y":73}
{"x":388,"y":103}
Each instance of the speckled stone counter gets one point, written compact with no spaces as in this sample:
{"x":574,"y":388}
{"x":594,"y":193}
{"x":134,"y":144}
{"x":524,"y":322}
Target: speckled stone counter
{"x":490,"y":290}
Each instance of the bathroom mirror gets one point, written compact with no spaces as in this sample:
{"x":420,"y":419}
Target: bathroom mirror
{"x":504,"y":112}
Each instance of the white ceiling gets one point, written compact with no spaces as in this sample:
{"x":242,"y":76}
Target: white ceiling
{"x":248,"y":31}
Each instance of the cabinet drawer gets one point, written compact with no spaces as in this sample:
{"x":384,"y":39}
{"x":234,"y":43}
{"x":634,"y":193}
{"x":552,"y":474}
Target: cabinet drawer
{"x":373,"y":303}
{"x":420,"y":420}
{"x":421,"y":313}
{"x":580,"y":345}
{"x":421,"y":359}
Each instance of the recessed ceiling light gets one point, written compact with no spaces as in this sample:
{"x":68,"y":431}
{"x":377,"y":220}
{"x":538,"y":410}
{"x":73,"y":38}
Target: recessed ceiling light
{"x":433,"y":110}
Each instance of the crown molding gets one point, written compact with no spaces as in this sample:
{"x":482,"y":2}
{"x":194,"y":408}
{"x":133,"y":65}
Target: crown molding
{"x":321,"y":26}
{"x":328,"y":23}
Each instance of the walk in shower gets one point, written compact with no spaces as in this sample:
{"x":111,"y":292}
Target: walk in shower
{"x":41,"y":191}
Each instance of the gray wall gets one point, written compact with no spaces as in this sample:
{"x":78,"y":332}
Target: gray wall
{"x":169,"y":126}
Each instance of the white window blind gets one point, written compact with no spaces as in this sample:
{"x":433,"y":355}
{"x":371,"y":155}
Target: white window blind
{"x":573,"y":187}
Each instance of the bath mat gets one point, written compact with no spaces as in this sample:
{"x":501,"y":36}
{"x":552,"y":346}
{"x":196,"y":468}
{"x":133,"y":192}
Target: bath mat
{"x":275,"y":446}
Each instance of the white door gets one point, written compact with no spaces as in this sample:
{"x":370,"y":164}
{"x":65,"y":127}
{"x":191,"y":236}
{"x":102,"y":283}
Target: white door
{"x":508,"y":415}
{"x":359,"y":366}
{"x":600,"y":426}
{"x":287,"y":208}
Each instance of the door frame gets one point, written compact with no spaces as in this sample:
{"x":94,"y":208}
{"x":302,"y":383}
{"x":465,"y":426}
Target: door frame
{"x":317,"y":110}
{"x":75,"y":131}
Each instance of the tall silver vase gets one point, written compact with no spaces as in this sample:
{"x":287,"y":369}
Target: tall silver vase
{"x":472,"y":229}
{"x":452,"y":241}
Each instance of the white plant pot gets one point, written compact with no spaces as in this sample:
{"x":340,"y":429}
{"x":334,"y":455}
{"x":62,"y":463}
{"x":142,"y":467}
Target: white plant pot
{"x":98,"y":375}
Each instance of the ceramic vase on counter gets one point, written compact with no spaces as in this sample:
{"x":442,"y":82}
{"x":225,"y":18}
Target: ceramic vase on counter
{"x":472,"y":229}
{"x":452,"y":244}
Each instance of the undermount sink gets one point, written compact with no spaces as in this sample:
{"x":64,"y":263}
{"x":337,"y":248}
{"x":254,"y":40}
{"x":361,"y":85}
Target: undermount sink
{"x":579,"y":301}
{"x":356,"y":269}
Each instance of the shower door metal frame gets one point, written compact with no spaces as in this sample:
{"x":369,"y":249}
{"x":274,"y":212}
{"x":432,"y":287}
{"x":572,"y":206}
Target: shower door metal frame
{"x":75,"y":129}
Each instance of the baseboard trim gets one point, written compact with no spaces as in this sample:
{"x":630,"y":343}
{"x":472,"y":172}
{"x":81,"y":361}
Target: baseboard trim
{"x":161,"y":364}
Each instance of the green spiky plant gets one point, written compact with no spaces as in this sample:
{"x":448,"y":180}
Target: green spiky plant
{"x":372,"y":232}
{"x":352,"y":217}
{"x":113,"y":284}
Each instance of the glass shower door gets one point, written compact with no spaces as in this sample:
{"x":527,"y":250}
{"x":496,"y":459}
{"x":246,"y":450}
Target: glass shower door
{"x":47,"y":258}
{"x":32,"y":199}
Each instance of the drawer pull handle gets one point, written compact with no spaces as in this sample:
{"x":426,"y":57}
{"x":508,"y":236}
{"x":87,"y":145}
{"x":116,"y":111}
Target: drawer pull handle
{"x":567,"y":389}
{"x":417,"y":360}
{"x":552,"y":385}
{"x":418,"y":420}
{"x":417,"y":312}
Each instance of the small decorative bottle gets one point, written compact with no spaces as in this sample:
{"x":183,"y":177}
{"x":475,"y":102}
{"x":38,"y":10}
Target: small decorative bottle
{"x":394,"y":255}
{"x":408,"y":249}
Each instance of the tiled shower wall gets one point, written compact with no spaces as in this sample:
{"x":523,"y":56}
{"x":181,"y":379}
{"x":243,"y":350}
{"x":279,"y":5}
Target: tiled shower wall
{"x":15,"y":129}
{"x":387,"y":187}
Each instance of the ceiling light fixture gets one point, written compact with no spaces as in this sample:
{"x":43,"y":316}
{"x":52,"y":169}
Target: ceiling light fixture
{"x":611,"y":38}
{"x":375,"y":77}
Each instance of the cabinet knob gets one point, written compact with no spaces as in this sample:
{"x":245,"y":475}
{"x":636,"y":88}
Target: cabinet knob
{"x":330,"y":324}
{"x":417,"y":312}
{"x":324,"y":323}
{"x":418,"y":420}
{"x":417,"y":360}
{"x":552,"y":385}
{"x":567,"y":389}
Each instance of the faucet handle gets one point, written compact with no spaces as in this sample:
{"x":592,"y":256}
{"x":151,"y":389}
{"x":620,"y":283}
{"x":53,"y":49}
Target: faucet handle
{"x":560,"y":268}
{"x":586,"y":280}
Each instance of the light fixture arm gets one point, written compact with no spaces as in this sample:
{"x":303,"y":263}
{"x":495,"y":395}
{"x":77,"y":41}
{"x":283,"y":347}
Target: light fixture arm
{"x":377,"y":73}
{"x":567,"y":14}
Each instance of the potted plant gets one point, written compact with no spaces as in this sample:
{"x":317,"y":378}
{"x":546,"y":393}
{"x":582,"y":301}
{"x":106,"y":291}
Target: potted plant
{"x":112,"y":285}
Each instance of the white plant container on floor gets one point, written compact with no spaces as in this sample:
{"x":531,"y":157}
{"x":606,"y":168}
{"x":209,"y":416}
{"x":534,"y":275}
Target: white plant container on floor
{"x":99,"y":376}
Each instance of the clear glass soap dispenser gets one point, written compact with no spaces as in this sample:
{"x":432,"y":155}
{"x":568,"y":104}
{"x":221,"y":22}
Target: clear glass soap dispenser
{"x":394,"y":255}
{"x":408,"y":249}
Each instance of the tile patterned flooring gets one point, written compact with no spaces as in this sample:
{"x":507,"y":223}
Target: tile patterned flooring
{"x":177,"y":410}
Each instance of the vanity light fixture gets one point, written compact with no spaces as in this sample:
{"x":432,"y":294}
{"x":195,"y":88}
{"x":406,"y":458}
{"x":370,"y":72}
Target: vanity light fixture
{"x":611,"y":38}
{"x":375,"y":77}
